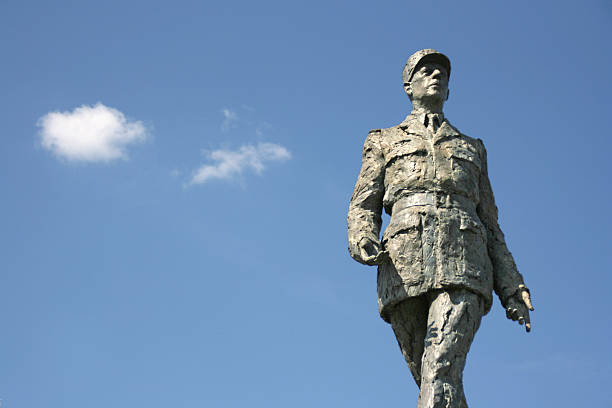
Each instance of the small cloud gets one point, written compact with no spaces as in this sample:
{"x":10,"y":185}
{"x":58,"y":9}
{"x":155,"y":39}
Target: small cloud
{"x":261,"y":128}
{"x":90,"y":133}
{"x":175,"y":172}
{"x":230,"y":119}
{"x":231,"y":163}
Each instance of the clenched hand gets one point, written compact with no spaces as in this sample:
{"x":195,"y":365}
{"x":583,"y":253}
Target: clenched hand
{"x":370,"y":252}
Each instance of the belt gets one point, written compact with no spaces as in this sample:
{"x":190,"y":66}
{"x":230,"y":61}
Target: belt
{"x":433,"y":199}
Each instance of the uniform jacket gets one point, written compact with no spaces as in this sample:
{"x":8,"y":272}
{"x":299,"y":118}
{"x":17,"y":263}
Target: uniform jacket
{"x":443,"y":231}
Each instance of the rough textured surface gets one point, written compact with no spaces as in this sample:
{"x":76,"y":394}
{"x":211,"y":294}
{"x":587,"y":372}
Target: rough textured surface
{"x":443,"y":252}
{"x":437,"y":191}
{"x":444,"y":324}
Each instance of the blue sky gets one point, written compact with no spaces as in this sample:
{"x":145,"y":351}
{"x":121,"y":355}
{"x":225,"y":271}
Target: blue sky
{"x":195,"y":255}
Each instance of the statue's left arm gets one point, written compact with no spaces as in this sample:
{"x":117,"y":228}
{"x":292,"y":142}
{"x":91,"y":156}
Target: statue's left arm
{"x":507,"y":281}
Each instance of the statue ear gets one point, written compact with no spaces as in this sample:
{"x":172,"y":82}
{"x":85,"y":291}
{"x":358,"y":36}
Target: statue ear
{"x":447,"y":93}
{"x":408,"y":89}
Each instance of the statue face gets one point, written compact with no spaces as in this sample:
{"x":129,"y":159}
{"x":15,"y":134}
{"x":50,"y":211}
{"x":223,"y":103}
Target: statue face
{"x":429,"y":83}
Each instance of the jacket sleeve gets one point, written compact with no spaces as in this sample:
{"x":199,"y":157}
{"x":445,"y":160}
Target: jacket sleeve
{"x":506,"y":277}
{"x":365,"y":209}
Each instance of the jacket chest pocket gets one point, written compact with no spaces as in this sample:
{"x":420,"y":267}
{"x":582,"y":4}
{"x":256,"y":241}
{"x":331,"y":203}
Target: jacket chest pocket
{"x":465,"y":154}
{"x":465,"y":166}
{"x":405,"y":159}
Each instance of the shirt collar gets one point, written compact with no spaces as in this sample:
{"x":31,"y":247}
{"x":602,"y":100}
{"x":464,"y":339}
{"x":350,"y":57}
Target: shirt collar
{"x":421,"y":116}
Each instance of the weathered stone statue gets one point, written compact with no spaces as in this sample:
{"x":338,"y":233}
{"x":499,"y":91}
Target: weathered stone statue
{"x":443,"y":252}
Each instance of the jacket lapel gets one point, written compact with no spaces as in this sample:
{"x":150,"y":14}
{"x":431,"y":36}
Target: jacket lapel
{"x":446,"y":131}
{"x":413,"y":125}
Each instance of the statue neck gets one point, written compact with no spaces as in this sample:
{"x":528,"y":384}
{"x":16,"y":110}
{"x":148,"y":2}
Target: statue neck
{"x":427,"y":106}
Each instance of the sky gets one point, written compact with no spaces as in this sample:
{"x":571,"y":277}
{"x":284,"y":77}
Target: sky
{"x":176,"y":177}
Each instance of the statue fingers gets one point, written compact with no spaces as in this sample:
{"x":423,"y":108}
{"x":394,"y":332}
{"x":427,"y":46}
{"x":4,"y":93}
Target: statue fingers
{"x":527,"y":300}
{"x":367,"y":258}
{"x":363,"y":254}
{"x":527,"y":323}
{"x":370,"y":247}
{"x":364,"y":251}
{"x":382,"y":257}
{"x":370,"y":260}
{"x":526,"y":296}
{"x":523,"y":315}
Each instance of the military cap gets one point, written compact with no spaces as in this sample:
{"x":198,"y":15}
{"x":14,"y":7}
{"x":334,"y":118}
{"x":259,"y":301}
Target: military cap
{"x":427,"y":54}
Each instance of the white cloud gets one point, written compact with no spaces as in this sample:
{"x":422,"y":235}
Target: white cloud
{"x":230,"y":118}
{"x":90,"y":133}
{"x":231,"y":163}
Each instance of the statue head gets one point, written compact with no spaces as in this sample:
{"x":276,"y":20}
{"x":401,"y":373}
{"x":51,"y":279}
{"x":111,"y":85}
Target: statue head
{"x":426,"y":76}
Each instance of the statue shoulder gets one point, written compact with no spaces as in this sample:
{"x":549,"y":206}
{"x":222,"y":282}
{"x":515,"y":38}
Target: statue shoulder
{"x":373,"y":136}
{"x":472,"y":140}
{"x":372,"y":141}
{"x":383,"y":131}
{"x":477,"y":144}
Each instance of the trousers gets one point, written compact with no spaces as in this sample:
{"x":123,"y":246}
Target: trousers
{"x":435,"y":332}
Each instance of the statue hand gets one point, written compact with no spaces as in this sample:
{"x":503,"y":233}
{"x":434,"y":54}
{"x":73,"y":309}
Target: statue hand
{"x":370,"y":252}
{"x":518,"y":307}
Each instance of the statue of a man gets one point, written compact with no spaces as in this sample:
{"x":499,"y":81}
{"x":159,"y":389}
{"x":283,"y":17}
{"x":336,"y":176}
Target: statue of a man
{"x":443,"y":252}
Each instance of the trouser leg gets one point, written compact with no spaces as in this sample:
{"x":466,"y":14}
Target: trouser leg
{"x":409,"y":323}
{"x":453,"y":319}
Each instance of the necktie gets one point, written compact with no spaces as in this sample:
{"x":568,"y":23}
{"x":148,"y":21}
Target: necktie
{"x":433,"y":122}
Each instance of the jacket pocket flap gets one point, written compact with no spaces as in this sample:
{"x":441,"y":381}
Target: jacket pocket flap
{"x":405,"y":149}
{"x":466,"y":154}
{"x":402,"y":221}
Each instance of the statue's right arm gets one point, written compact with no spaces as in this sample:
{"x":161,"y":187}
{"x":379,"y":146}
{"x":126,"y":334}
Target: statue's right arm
{"x":364,"y":215}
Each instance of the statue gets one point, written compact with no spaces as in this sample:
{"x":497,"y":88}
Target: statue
{"x":443,"y":252}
